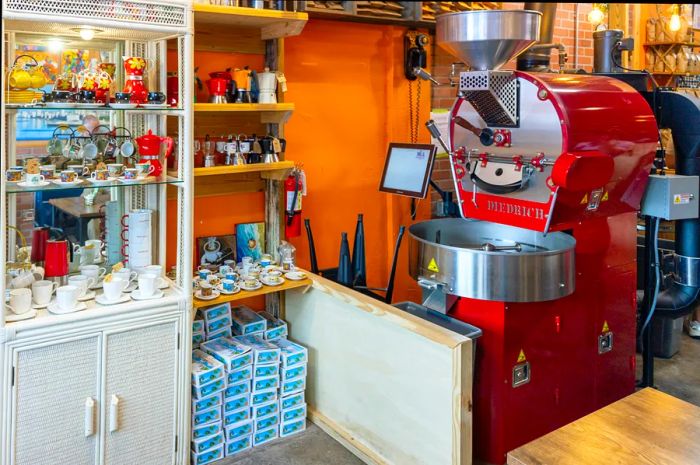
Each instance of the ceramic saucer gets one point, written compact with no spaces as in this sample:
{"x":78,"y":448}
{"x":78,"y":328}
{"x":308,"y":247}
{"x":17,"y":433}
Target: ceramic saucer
{"x":91,"y":105}
{"x":104,"y":182}
{"x":102,"y":300}
{"x":61,"y":104}
{"x":136,"y":295}
{"x":269,"y":283}
{"x":296,"y":275}
{"x":67,"y":184}
{"x":10,"y":317}
{"x":253,"y":288}
{"x":89,"y":295}
{"x":153,"y":105}
{"x":123,"y":106}
{"x":214,"y":295}
{"x":56,"y":310}
{"x":236,"y":290}
{"x":122,"y":179}
{"x":38,"y":184}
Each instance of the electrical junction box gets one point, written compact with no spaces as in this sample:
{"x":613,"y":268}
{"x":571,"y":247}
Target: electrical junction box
{"x":671,"y":197}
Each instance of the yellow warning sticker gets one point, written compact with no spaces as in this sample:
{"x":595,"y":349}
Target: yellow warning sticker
{"x":606,"y":328}
{"x":584,"y":200}
{"x":605,"y":197}
{"x":521,"y":356}
{"x":432,"y":266}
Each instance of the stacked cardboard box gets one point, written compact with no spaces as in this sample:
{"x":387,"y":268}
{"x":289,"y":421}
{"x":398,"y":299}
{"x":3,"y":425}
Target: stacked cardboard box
{"x":294,"y":359}
{"x":208,"y":384}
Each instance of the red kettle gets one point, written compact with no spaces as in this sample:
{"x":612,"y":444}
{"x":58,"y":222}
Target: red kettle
{"x":56,"y":259}
{"x":149,"y":149}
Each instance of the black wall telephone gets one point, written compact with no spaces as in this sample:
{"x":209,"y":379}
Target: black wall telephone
{"x":415,"y":55}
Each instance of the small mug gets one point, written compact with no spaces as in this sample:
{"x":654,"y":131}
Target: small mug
{"x":61,"y":96}
{"x":228,"y":285}
{"x":69,"y":176}
{"x":145,"y":169}
{"x":156,"y":97}
{"x":122,"y":97}
{"x":131,"y":173}
{"x":79,"y":170}
{"x":92,"y":271}
{"x":67,"y":297}
{"x":115,"y":169}
{"x":86,"y":96}
{"x":82,"y":282}
{"x":48,"y":171}
{"x":251,"y":282}
{"x":266,"y":259}
{"x":36,"y":178}
{"x":204,"y":273}
{"x":213,"y":279}
{"x":224,"y":270}
{"x":100,"y":175}
{"x":127,"y":148}
{"x":13,"y":175}
{"x":20,"y":301}
{"x":205,"y":289}
{"x":42,"y":291}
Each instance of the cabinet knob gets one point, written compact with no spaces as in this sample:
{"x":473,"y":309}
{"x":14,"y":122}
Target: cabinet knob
{"x":114,"y":414}
{"x":89,"y":417}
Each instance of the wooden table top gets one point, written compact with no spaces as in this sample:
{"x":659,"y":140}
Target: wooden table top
{"x":647,"y":427}
{"x":75,"y":206}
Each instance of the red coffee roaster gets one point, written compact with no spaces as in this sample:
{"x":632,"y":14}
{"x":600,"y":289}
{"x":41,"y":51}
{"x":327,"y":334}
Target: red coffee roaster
{"x":549,"y":172}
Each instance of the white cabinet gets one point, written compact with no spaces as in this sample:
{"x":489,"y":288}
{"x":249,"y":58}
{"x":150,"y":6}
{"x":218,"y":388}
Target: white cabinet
{"x":55,"y":398}
{"x":109,"y":397}
{"x":140,"y":387}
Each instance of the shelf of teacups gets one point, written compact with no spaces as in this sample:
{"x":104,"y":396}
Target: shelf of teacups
{"x":285,"y":286}
{"x":167,"y":111}
{"x":273,"y":24}
{"x":275,"y":113}
{"x":14,"y":188}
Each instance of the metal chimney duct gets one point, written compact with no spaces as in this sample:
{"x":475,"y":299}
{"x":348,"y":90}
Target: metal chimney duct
{"x":537,"y":58}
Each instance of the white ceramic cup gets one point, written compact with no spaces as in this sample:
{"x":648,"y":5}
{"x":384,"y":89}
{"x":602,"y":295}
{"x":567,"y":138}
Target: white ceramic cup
{"x":67,"y":297}
{"x":114,"y":288}
{"x":33,"y":178}
{"x":99,"y":247}
{"x":82,"y":282}
{"x":20,"y":301}
{"x":92,"y":271}
{"x":88,"y":254}
{"x":156,"y":270}
{"x":147,"y":284}
{"x":42,"y":291}
{"x":126,"y":274}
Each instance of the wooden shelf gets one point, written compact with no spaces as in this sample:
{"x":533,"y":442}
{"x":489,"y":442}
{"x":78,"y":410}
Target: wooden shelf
{"x":248,"y":294}
{"x":278,"y":170}
{"x":275,"y":113}
{"x":273,"y":24}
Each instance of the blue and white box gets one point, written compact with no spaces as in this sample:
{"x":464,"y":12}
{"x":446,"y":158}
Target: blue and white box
{"x":240,"y":375}
{"x":264,"y":352}
{"x":294,"y":413}
{"x":295,"y":371}
{"x":231,"y":353}
{"x":239,"y":430}
{"x":226,"y":332}
{"x":291,"y":353}
{"x":266,"y":383}
{"x":205,"y":368}
{"x":209,"y":456}
{"x":209,"y":389}
{"x":207,"y":429}
{"x":239,"y":445}
{"x":264,"y":410}
{"x":215,"y":311}
{"x":206,"y":416}
{"x":215,"y":326}
{"x":292,"y":400}
{"x":276,"y":328}
{"x":293,"y":386}
{"x":292,"y":427}
{"x":237,"y":389}
{"x":247,"y":321}
{"x":262,"y":423}
{"x":236,"y":403}
{"x":264,"y":436}
{"x":198,"y":326}
{"x":197,"y":339}
{"x":208,"y":402}
{"x":263,"y":397}
{"x":268,"y":369}
{"x":237,"y":416}
{"x":200,"y":445}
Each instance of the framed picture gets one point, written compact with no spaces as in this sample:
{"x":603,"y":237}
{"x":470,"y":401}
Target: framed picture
{"x":250,"y":240}
{"x":213,"y":250}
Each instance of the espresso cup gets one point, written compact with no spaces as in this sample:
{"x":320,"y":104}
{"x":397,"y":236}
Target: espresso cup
{"x":213,"y":279}
{"x":82,"y":282}
{"x":115,"y":169}
{"x":86,"y":96}
{"x":145,"y":169}
{"x":205,"y":289}
{"x":228,"y":285}
{"x":42,"y":291}
{"x":122,"y":97}
{"x":251,"y":282}
{"x":61,"y":96}
{"x":13,"y":175}
{"x":131,"y":173}
{"x":48,"y":171}
{"x":100,"y":175}
{"x":113,"y":288}
{"x":69,"y":175}
{"x":147,"y":284}
{"x":79,"y":170}
{"x":156,"y":97}
{"x":224,"y":269}
{"x":125,"y":274}
{"x":204,"y":273}
{"x":266,"y":260}
{"x":67,"y":297}
{"x":98,"y":245}
{"x":20,"y":301}
{"x":34,"y":178}
{"x":92,"y":271}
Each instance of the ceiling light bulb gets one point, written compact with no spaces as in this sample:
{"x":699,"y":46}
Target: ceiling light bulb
{"x":596,"y":15}
{"x":55,"y":45}
{"x":675,"y":22}
{"x":87,"y":33}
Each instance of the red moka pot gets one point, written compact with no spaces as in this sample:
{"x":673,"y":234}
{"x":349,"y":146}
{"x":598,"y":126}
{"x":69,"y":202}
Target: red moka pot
{"x":149,"y":149}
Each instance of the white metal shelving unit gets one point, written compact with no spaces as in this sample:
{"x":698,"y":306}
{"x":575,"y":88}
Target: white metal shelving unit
{"x":107,"y":385}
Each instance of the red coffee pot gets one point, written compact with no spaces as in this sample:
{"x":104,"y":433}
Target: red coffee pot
{"x":56,"y":259}
{"x":39,"y":238}
{"x":149,"y":149}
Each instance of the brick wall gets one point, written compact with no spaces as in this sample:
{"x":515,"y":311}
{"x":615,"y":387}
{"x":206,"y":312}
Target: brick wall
{"x":580,"y":57}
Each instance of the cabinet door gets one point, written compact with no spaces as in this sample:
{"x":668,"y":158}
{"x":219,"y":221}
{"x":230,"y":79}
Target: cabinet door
{"x":55,"y":403}
{"x":141,"y":372}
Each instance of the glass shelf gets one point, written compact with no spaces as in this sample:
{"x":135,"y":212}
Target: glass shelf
{"x":33,"y":107}
{"x":14,"y":188}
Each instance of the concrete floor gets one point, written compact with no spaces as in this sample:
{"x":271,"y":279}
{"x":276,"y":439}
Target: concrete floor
{"x":679,"y":376}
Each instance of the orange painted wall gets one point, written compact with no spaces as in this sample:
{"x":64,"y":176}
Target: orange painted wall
{"x":351,"y":99}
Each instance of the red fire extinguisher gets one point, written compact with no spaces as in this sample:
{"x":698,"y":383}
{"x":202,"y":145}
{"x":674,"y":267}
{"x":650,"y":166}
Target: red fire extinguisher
{"x":294,"y":187}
